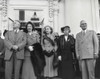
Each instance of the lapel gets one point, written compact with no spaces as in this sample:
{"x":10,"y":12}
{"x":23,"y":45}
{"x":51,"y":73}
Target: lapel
{"x":68,"y":38}
{"x":83,"y":38}
{"x":30,"y":36}
{"x":12,"y":35}
{"x":19,"y":34}
{"x":62,"y":40}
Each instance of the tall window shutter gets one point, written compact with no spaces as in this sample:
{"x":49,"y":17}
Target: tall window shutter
{"x":21,"y":15}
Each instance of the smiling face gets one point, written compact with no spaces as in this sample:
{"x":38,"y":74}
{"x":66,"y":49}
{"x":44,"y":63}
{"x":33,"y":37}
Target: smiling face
{"x":16,"y":25}
{"x":66,"y":31}
{"x":83,"y":25}
{"x":29,"y":27}
{"x":48,"y":30}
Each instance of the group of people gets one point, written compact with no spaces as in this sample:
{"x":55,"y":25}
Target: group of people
{"x":28,"y":57}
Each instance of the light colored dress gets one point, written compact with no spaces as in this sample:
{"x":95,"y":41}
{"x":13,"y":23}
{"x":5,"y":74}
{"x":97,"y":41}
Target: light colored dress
{"x":49,"y":71}
{"x":28,"y":70}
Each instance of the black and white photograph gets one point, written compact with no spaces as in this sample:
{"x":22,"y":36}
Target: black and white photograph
{"x":49,"y":39}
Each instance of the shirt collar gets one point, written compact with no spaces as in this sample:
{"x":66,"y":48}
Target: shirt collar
{"x":66,"y":37}
{"x":16,"y":30}
{"x":84,"y":30}
{"x":30,"y":33}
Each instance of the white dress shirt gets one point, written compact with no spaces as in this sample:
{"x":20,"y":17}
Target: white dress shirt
{"x":66,"y":37}
{"x":84,"y":32}
{"x":16,"y":30}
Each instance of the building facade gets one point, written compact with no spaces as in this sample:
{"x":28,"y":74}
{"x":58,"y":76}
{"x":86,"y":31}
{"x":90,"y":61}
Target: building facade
{"x":56,"y":13}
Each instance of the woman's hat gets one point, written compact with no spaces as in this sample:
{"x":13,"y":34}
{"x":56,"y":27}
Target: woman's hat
{"x":62,"y":29}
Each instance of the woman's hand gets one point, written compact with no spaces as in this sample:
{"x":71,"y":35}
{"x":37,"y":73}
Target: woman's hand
{"x":0,"y":53}
{"x":96,"y":55}
{"x":60,"y":58}
{"x":31,"y":48}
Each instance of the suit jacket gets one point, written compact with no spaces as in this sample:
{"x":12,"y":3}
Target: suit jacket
{"x":2,"y":47}
{"x":86,"y":45}
{"x":10,"y":40}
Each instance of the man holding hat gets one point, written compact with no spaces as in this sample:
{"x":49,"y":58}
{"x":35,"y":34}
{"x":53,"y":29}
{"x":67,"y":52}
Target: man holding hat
{"x":87,"y":50}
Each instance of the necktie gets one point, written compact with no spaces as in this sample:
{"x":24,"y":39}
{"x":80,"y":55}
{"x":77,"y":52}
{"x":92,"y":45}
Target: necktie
{"x":15,"y":36}
{"x":83,"y":33}
{"x":15,"y":31}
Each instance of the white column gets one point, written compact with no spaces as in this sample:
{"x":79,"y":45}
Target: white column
{"x":61,"y":15}
{"x":56,"y":10}
{"x":77,"y":10}
{"x":1,"y":27}
{"x":68,"y":7}
{"x":1,"y":20}
{"x":0,"y":14}
{"x":96,"y":16}
{"x":5,"y":14}
{"x":51,"y":12}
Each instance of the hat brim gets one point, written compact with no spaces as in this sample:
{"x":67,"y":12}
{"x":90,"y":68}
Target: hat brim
{"x":62,"y":29}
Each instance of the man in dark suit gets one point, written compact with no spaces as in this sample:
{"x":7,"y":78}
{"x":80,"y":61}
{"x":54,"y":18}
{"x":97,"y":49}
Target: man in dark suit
{"x":97,"y":65}
{"x":15,"y":42}
{"x":1,"y":57}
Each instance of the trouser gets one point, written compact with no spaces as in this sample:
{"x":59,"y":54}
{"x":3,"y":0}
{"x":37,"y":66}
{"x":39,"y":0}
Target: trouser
{"x":88,"y":68}
{"x":2,"y":67}
{"x":12,"y":66}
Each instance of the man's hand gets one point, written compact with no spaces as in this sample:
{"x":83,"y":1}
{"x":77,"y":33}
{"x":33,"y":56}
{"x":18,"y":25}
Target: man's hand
{"x":15,"y":47}
{"x":60,"y":58}
{"x":0,"y":53}
{"x":78,"y":57}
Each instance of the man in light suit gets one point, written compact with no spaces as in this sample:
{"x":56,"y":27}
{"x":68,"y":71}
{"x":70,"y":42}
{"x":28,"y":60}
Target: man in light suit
{"x":87,"y":50}
{"x":15,"y":42}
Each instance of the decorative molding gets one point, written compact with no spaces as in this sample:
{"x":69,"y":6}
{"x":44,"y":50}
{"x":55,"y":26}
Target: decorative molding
{"x":4,"y":8}
{"x":0,"y":4}
{"x":56,"y":7}
{"x":4,"y":14}
{"x":51,"y":10}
